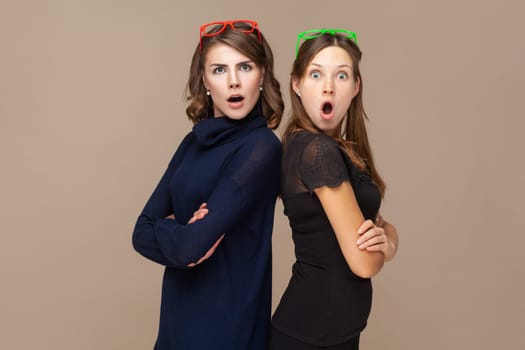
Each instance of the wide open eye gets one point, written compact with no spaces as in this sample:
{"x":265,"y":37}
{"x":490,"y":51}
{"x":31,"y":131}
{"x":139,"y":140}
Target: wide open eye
{"x":342,"y":76}
{"x":315,"y":75}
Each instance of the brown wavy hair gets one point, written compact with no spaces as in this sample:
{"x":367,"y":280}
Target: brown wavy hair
{"x":353,"y":137}
{"x":201,"y":106}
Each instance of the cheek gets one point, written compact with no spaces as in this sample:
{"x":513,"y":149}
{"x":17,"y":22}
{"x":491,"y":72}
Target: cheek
{"x":256,"y":80}
{"x":254,"y":85}
{"x":217,"y":94}
{"x":310,"y":108}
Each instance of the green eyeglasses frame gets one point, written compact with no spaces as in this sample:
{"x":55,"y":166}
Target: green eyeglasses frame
{"x":314,"y":33}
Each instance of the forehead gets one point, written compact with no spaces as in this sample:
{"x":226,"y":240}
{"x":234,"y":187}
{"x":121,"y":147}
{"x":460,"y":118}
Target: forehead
{"x":224,"y":54}
{"x":332,"y":56}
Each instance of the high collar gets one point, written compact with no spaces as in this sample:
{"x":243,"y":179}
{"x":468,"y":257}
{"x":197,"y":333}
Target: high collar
{"x":214,"y":131}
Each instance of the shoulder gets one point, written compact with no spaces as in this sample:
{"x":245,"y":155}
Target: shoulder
{"x":321,"y":162}
{"x":305,"y":137}
{"x":186,"y":141}
{"x":264,"y":134}
{"x":312,"y":145}
{"x":263,"y":140}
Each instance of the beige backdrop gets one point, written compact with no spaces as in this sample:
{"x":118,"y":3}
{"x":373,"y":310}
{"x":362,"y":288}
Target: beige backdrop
{"x":91,"y":110}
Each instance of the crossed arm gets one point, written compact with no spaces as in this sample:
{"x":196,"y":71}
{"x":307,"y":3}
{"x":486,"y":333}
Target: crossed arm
{"x":379,"y":236}
{"x":365,"y":245}
{"x":198,"y":215}
{"x":162,"y":238}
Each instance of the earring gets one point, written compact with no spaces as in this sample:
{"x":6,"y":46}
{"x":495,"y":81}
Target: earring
{"x":260,"y":88}
{"x":208,"y":92}
{"x":298,"y":93}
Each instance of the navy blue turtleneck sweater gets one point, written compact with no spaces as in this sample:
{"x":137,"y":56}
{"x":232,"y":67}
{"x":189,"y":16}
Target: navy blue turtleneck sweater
{"x":224,"y":302}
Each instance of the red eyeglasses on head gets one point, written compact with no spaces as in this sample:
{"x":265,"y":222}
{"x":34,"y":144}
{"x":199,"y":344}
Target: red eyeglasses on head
{"x":216,"y":28}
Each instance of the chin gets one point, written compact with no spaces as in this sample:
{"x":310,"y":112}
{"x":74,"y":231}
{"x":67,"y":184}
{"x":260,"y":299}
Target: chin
{"x":237,"y":115}
{"x":324,"y":125}
{"x":328,"y":129}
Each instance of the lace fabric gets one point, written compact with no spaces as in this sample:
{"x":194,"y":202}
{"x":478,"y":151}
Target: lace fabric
{"x":312,"y":161}
{"x":322,"y":164}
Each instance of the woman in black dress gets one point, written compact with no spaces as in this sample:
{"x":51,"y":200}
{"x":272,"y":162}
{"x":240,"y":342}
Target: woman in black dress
{"x":330,"y":186}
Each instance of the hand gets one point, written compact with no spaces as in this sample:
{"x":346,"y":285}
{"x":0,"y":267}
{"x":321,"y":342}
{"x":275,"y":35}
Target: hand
{"x":199,"y":214}
{"x":208,"y":253}
{"x":379,"y":221}
{"x":373,"y":238}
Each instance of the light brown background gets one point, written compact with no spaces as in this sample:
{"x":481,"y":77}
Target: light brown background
{"x":91,"y":110}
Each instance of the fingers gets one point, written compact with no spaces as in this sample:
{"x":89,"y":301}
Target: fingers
{"x":212,"y":249}
{"x":382,"y":247}
{"x":370,"y":232}
{"x":379,"y":220}
{"x":373,"y":236}
{"x":218,"y":241}
{"x":208,"y":253}
{"x":365,"y":226}
{"x":372,"y":241}
{"x":199,"y":213}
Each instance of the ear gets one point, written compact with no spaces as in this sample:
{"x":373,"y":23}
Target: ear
{"x":295,"y":86}
{"x":357,"y":87}
{"x":262,"y":76}
{"x":205,"y":82}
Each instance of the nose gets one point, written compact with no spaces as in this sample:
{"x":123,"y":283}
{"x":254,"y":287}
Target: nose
{"x":233,"y":81}
{"x":328,"y":88}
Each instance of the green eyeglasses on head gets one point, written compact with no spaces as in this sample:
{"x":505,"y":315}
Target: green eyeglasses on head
{"x":314,"y":33}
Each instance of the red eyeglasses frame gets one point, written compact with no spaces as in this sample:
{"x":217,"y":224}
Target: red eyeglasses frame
{"x":225,"y":24}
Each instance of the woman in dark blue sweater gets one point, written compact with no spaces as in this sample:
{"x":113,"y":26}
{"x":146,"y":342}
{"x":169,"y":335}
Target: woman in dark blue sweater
{"x":210,"y":219}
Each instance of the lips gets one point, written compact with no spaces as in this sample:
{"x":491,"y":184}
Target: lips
{"x":236,"y":98}
{"x":327,"y":109}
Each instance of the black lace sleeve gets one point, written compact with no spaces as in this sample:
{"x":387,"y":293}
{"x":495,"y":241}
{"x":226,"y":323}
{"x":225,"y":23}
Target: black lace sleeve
{"x":322,"y":164}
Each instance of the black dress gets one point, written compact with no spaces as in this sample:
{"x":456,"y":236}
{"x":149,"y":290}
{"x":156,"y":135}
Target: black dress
{"x":325,"y":303}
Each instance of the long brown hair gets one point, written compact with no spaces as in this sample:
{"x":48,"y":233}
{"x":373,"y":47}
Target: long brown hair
{"x":352,"y":137}
{"x":201,"y":106}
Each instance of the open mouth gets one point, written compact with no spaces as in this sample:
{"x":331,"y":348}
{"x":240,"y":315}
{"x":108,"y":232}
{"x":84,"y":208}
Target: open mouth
{"x":327,"y":108}
{"x":237,"y":98}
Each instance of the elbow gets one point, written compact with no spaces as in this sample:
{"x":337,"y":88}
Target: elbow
{"x":141,"y":237}
{"x":137,"y":241}
{"x":366,"y":272}
{"x":369,"y":269}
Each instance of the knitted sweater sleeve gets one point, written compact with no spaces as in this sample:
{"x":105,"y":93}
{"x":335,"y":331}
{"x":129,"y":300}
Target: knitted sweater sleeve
{"x":158,"y":206}
{"x":251,"y":176}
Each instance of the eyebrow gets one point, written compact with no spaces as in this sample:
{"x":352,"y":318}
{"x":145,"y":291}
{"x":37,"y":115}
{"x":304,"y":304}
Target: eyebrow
{"x":339,"y":66}
{"x":225,"y":65}
{"x":245,"y":62}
